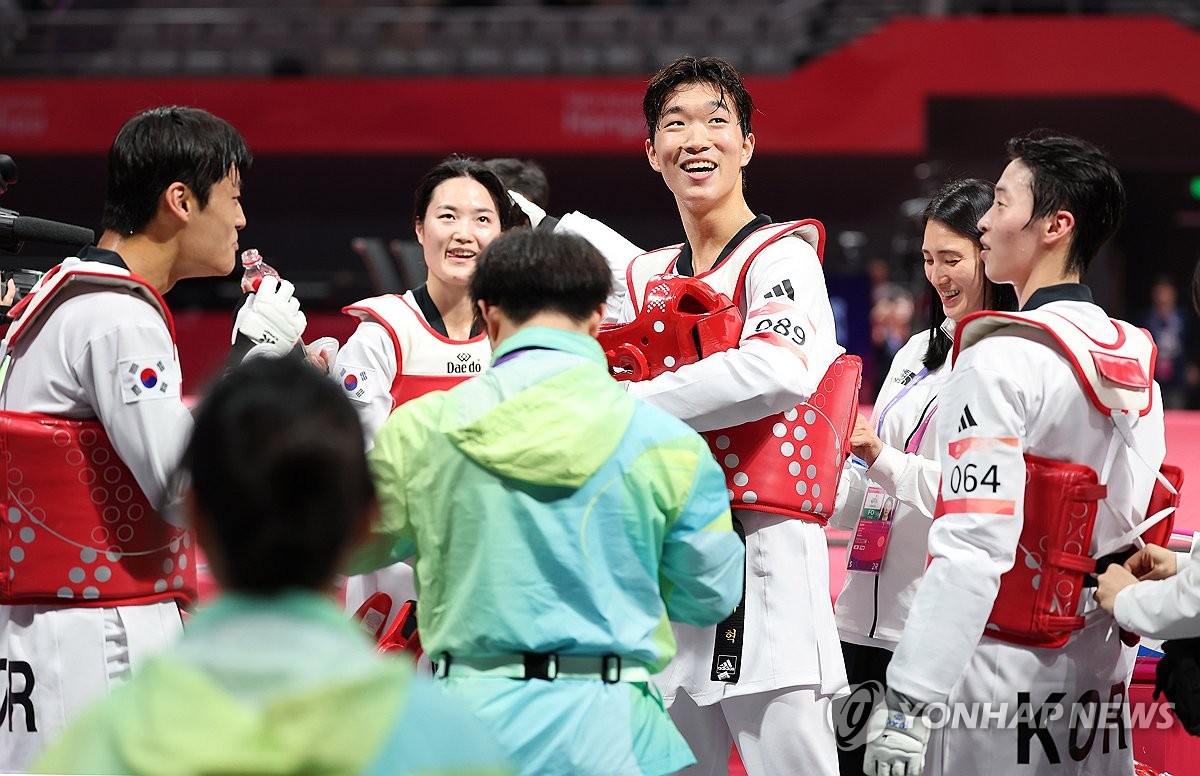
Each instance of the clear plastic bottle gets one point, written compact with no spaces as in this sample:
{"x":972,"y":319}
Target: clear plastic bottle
{"x":255,"y":270}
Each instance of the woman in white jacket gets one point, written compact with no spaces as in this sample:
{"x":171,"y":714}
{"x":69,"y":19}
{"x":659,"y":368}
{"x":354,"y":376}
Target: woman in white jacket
{"x":899,"y":448}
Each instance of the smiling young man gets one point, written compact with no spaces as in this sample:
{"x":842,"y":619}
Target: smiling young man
{"x":1055,"y":393}
{"x":766,"y":689}
{"x":93,"y":425}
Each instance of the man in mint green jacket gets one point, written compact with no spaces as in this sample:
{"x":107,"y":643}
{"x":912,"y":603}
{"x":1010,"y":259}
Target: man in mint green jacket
{"x":557,"y":523}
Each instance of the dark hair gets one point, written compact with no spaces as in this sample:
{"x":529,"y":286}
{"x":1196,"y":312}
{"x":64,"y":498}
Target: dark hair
{"x":525,"y":272}
{"x":278,"y":471}
{"x":526,"y":177}
{"x":455,"y":166}
{"x":160,"y":146}
{"x":687,"y":71}
{"x":958,"y":205}
{"x":1074,"y":175}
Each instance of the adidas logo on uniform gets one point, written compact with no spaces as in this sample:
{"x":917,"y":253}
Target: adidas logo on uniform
{"x":966,"y":421}
{"x":781,"y":289}
{"x":726,"y":665}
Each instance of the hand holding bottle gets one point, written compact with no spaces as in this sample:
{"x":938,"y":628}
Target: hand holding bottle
{"x":271,"y":316}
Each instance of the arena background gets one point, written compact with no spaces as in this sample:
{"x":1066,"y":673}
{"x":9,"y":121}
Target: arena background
{"x":864,"y":108}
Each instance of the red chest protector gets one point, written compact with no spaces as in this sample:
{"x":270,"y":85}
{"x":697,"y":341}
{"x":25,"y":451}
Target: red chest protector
{"x":788,"y":463}
{"x":426,"y":360}
{"x":1039,"y":596}
{"x":77,"y":529}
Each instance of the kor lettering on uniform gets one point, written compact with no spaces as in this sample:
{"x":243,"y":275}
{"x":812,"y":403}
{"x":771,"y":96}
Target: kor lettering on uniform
{"x":17,"y":693}
{"x":1089,"y":715}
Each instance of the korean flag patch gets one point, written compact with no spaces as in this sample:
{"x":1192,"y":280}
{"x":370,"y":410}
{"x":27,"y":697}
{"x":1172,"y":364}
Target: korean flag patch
{"x":358,"y":383}
{"x":148,"y":378}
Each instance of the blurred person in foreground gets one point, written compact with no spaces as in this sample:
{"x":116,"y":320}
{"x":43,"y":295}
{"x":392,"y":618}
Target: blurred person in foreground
{"x":271,"y":678}
{"x":94,"y":564}
{"x":557,"y":525}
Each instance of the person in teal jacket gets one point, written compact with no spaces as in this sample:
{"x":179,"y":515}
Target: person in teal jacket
{"x":557,"y":523}
{"x":271,"y":678}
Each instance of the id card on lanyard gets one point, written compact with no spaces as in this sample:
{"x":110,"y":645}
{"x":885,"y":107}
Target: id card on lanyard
{"x":869,"y":546}
{"x":871,"y":535}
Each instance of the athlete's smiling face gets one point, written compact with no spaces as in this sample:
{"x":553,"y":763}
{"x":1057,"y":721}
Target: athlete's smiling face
{"x":953,"y":268}
{"x":459,"y":222}
{"x":699,"y":147}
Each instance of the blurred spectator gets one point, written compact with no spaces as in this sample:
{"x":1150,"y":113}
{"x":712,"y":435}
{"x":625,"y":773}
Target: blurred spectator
{"x":1173,"y":329}
{"x":891,"y":325}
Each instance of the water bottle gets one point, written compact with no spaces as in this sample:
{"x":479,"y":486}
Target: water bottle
{"x":255,"y":270}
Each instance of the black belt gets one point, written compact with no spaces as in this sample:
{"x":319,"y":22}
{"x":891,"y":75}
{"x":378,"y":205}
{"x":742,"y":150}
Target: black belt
{"x":730,"y":635}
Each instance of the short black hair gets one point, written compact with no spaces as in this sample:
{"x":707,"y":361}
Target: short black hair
{"x":525,"y":272}
{"x":687,"y":71}
{"x":278,"y":471}
{"x":524,"y":176}
{"x":160,"y":146}
{"x":959,"y":205}
{"x":455,"y":166}
{"x":1073,"y":175}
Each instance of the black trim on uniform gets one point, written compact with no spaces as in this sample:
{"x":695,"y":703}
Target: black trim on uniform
{"x":1063,"y":292}
{"x":730,"y":633}
{"x":433,"y":316}
{"x":102,"y":256}
{"x":683,"y":265}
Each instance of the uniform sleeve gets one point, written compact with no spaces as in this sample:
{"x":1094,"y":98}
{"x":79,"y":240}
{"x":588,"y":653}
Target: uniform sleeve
{"x":130,"y":376}
{"x":1164,"y":608}
{"x":911,"y":478}
{"x":366,"y":368}
{"x":787,"y":344}
{"x":615,"y":249}
{"x":703,"y":560}
{"x":391,"y":537}
{"x":975,"y":541}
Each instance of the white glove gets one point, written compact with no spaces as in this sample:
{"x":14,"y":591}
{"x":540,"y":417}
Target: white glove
{"x":535,"y":213}
{"x":271,"y":316}
{"x":897,"y":738}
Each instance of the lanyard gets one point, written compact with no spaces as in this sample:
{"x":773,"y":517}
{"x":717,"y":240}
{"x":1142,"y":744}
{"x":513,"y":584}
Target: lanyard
{"x":509,"y":356}
{"x":879,"y":420}
{"x":915,"y":441}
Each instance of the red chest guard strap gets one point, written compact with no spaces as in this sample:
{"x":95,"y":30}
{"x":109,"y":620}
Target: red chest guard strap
{"x":76,"y":528}
{"x":74,"y":273}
